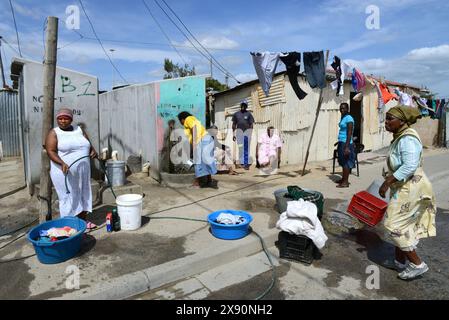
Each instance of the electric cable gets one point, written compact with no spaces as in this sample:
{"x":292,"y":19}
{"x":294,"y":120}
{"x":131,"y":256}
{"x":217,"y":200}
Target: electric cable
{"x":69,"y":44}
{"x":15,"y":25}
{"x":191,"y":34}
{"x":188,"y":39}
{"x":101,"y":44}
{"x":163,"y":32}
{"x":155,"y":43}
{"x":9,"y":45}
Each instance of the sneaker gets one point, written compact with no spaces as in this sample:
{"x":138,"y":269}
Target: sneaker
{"x":412,"y":271}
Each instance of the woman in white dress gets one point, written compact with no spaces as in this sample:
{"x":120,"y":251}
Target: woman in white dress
{"x":66,"y":144}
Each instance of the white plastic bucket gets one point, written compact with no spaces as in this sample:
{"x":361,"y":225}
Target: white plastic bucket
{"x":129,"y":208}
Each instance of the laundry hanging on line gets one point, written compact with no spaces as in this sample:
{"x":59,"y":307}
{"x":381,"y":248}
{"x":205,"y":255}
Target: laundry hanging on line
{"x":265,"y":64}
{"x":358,"y":80}
{"x":341,"y":70}
{"x":315,"y":69}
{"x":292,"y":61}
{"x":404,"y":98}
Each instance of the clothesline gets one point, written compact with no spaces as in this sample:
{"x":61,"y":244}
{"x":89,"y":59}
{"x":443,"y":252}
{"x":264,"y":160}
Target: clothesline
{"x":315,"y":70}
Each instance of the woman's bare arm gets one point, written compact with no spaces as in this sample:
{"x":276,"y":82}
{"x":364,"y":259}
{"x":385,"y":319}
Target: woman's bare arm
{"x":51,"y":146}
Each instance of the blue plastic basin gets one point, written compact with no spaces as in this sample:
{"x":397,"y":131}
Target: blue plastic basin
{"x":229,"y":232}
{"x":61,"y":250}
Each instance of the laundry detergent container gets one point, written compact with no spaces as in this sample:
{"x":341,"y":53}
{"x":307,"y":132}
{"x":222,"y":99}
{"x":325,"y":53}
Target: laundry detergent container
{"x":61,"y":250}
{"x":229,"y":232}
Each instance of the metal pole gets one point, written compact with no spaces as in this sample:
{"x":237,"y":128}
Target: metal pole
{"x":320,"y":101}
{"x":1,"y":65}
{"x":47,"y":116}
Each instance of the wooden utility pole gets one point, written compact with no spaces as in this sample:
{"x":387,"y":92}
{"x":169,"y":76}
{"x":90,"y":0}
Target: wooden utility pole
{"x":1,"y":64}
{"x":320,"y":101}
{"x":48,"y":114}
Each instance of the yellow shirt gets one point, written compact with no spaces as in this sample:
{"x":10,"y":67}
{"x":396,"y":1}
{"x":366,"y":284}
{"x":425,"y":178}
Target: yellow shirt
{"x":190,"y":124}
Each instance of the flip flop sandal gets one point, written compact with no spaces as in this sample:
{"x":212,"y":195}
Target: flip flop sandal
{"x":342,"y":186}
{"x":91,"y":226}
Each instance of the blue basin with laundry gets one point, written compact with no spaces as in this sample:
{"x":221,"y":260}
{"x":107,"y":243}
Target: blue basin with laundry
{"x":229,"y":232}
{"x":61,"y":250}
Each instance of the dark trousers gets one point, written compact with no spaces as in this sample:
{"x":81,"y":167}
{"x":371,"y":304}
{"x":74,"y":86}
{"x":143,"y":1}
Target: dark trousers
{"x":290,"y":62}
{"x":315,"y":69}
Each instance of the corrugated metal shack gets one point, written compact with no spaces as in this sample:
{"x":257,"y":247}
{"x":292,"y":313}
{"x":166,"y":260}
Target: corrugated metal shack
{"x":293,"y":118}
{"x":9,"y":123}
{"x":134,"y":119}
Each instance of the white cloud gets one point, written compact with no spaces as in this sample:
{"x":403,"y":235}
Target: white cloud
{"x":352,"y":6}
{"x":220,"y":42}
{"x":157,"y":73}
{"x":368,"y":39}
{"x":437,"y":53}
{"x":27,"y":12}
{"x":245,"y":77}
{"x":93,"y":51}
{"x":210,"y":42}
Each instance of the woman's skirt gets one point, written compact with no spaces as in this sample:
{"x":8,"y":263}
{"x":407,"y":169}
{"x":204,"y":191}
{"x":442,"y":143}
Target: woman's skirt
{"x":348,"y":162}
{"x":411,"y":212}
{"x":204,"y":159}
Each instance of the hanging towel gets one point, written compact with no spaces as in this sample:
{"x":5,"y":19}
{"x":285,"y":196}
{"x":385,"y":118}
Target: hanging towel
{"x":386,"y":94}
{"x":265,"y":64}
{"x":358,"y":80}
{"x":301,"y":219}
{"x":292,"y":61}
{"x":404,"y":99}
{"x":315,"y":69}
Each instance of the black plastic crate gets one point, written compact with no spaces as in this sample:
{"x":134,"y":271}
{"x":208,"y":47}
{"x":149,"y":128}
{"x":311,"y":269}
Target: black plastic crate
{"x":296,"y":248}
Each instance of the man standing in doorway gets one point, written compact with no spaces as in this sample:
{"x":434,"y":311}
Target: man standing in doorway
{"x":242,"y":127}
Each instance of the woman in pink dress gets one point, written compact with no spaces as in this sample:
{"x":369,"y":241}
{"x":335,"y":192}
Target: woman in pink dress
{"x":268,"y":152}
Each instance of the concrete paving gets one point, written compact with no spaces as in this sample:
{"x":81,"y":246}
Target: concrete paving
{"x":124,"y":264}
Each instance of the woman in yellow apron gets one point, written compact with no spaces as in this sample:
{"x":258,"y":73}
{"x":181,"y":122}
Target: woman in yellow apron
{"x":411,"y":212}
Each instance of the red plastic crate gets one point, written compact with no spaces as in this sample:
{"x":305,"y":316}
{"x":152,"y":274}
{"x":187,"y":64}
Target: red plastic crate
{"x":367,"y":208}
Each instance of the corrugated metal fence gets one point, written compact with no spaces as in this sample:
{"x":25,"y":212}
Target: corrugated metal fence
{"x":9,"y":123}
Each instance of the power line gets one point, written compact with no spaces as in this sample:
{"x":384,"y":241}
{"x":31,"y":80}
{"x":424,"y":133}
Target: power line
{"x":213,"y":58}
{"x":157,"y":44}
{"x":224,"y":71}
{"x":9,"y":45}
{"x":15,"y":25}
{"x":188,"y":39}
{"x":69,"y":44}
{"x":162,"y":30}
{"x":101,"y":44}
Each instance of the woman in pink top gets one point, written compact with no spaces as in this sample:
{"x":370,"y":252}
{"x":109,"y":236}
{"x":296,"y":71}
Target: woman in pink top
{"x":268,"y":152}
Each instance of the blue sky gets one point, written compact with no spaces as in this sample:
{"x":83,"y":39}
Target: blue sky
{"x":411,"y":44}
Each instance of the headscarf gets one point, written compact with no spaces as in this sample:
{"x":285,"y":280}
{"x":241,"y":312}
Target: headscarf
{"x":65,"y":112}
{"x":407,"y":114}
